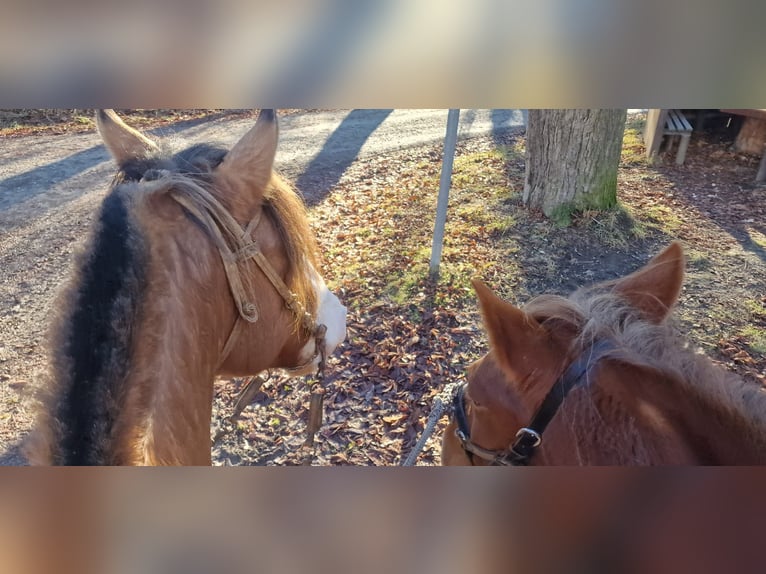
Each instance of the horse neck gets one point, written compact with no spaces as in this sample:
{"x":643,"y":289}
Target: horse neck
{"x":168,"y":402}
{"x":646,"y":417}
{"x":720,"y":428}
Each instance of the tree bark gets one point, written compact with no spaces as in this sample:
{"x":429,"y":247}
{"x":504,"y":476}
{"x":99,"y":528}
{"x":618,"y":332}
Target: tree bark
{"x":751,"y":136}
{"x":572,"y":158}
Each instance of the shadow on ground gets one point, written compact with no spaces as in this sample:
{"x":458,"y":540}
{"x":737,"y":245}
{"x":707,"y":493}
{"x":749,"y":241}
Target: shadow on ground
{"x":721,"y":186}
{"x":338,"y":153}
{"x":23,"y":186}
{"x":13,"y":456}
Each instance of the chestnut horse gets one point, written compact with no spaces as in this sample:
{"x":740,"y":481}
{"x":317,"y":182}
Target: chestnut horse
{"x":601,"y":378}
{"x":200,"y":263}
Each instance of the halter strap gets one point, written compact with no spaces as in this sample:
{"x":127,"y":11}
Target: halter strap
{"x":529,"y":438}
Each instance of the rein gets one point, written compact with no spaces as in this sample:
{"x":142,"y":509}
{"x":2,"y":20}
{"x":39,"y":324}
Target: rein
{"x":529,"y":438}
{"x":239,"y":248}
{"x":442,"y":404}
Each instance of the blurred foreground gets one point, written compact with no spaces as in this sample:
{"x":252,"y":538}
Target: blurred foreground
{"x":364,"y":520}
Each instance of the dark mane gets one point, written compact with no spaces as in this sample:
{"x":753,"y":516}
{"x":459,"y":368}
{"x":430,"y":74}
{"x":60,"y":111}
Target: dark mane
{"x":197,"y":161}
{"x":94,"y":331}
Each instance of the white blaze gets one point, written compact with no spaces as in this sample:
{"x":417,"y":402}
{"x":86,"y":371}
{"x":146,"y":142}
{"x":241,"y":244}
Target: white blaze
{"x":332,"y":314}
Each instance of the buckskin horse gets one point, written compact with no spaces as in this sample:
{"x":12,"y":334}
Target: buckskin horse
{"x":601,"y":378}
{"x":200,"y":263}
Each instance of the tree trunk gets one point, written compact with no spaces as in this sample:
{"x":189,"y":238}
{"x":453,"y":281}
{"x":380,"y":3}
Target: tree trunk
{"x":572,"y":158}
{"x":751,"y":136}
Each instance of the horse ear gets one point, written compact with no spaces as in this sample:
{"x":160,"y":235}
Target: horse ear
{"x":655,"y":288}
{"x":122,"y":141}
{"x":517,"y":338}
{"x":252,"y":157}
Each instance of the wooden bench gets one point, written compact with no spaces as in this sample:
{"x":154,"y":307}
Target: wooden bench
{"x":661,"y":123}
{"x":676,"y":124}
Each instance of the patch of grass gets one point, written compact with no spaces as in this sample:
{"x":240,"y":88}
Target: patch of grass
{"x":615,"y":227}
{"x":698,"y":261}
{"x":756,"y":339}
{"x":755,"y":332}
{"x":501,"y":225}
{"x":407,"y":282}
{"x":508,"y":193}
{"x":453,"y":285}
{"x":633,"y":148}
{"x":515,"y":151}
{"x":756,"y":309}
{"x":758,"y":238}
{"x":481,"y":172}
{"x":384,"y":255}
{"x":473,"y":214}
{"x":662,"y":218}
{"x":562,"y":215}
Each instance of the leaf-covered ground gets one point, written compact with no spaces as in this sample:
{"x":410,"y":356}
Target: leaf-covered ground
{"x":408,"y":337}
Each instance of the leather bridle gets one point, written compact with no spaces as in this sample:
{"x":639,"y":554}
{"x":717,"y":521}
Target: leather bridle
{"x":236,"y":245}
{"x":219,"y":221}
{"x":530,"y":437}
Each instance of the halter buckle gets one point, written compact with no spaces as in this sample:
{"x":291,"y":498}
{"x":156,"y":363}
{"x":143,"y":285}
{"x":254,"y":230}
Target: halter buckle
{"x":536,"y":438}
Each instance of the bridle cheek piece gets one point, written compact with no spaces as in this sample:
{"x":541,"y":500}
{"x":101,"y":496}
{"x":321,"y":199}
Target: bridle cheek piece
{"x":528,"y":439}
{"x":242,"y":248}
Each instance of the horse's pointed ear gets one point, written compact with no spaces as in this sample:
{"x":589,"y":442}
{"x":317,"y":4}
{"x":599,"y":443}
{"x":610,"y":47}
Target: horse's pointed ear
{"x":252,"y":157}
{"x":514,"y":335}
{"x":655,"y":288}
{"x":122,"y":141}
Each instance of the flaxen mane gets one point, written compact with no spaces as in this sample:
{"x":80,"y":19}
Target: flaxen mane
{"x":93,"y":333}
{"x":601,"y":313}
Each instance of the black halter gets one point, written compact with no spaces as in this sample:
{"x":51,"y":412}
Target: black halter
{"x":531,"y":436}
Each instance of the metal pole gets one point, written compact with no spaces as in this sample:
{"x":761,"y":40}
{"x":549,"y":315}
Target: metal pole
{"x":450,"y":140}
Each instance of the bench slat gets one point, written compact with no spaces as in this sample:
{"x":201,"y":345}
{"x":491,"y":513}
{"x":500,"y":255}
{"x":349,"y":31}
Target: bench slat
{"x":670,"y":125}
{"x":674,"y":116}
{"x":685,"y":122}
{"x":677,"y":119}
{"x":672,"y":121}
{"x":676,"y":123}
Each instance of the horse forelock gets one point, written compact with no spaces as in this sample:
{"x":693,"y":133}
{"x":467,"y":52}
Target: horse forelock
{"x":288,"y":213}
{"x":191,"y":170}
{"x":197,"y":162}
{"x":280,"y":203}
{"x":193,"y":167}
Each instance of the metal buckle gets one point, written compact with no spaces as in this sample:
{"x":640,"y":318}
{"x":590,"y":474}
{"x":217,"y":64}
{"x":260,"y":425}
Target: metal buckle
{"x":529,"y":432}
